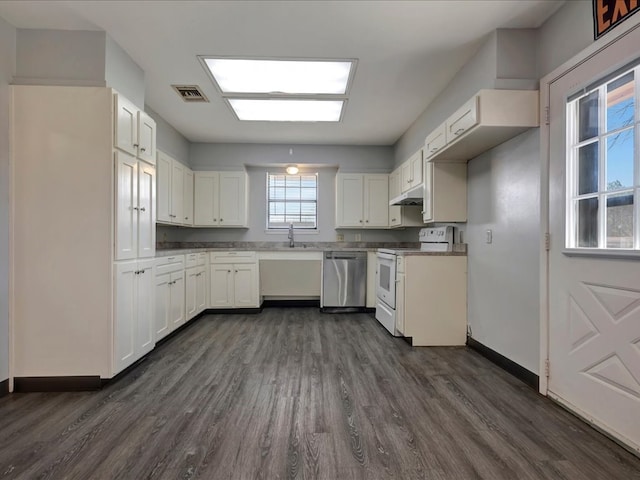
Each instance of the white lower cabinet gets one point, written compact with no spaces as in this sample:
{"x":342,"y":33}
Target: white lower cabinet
{"x":234,"y":280}
{"x":195,"y":291}
{"x":134,"y":299}
{"x":170,"y":295}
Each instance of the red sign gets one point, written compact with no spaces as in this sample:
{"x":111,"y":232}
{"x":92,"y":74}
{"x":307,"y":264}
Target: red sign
{"x":609,"y":13}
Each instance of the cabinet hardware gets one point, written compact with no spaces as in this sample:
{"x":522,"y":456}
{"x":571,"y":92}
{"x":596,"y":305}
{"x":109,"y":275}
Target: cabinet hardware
{"x":236,"y":271}
{"x":367,"y":221}
{"x":360,"y":221}
{"x":135,"y":208}
{"x":171,"y":258}
{"x":393,"y":219}
{"x":228,"y":271}
{"x":186,"y":218}
{"x":143,"y":149}
{"x":136,"y":145}
{"x":137,"y":272}
{"x":459,"y":131}
{"x":221,"y":219}
{"x":215,"y":219}
{"x":142,"y":209}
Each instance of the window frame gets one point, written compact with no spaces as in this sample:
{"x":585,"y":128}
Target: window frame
{"x":298,"y":227}
{"x":573,"y":145}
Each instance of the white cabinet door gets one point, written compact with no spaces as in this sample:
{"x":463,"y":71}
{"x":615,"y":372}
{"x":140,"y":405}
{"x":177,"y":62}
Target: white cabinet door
{"x":177,"y":192}
{"x":163,"y":191}
{"x":416,"y":168}
{"x":177,"y":300}
{"x":405,"y":176}
{"x":163,"y":305}
{"x":245,"y":285}
{"x":187,"y":204}
{"x":221,"y":285}
{"x":400,"y":303}
{"x":395,"y":188}
{"x":145,"y":334}
{"x":125,"y":129}
{"x":376,"y":201}
{"x":125,"y":314}
{"x":146,"y":210}
{"x":191,"y":292}
{"x":206,"y":193}
{"x":146,"y":143}
{"x":201,"y":289}
{"x":233,"y":199}
{"x":349,"y":200}
{"x":126,"y":223}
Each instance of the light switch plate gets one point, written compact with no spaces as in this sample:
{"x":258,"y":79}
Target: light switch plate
{"x":489,"y":236}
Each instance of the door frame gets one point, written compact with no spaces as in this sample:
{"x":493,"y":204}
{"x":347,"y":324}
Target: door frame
{"x":585,"y":55}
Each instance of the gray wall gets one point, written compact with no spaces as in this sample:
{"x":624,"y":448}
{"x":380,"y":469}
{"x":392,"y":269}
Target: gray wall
{"x":122,"y":73}
{"x":7,"y":70}
{"x":168,"y":139}
{"x":261,"y":158}
{"x":503,"y":184}
{"x":60,"y":57}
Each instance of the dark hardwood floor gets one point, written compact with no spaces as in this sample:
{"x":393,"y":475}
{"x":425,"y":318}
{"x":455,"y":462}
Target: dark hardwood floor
{"x":293,"y":393}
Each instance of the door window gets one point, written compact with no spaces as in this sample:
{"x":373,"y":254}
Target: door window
{"x":603,"y":164}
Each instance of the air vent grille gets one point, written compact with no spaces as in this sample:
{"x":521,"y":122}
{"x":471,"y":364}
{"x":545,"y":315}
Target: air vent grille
{"x":190,"y":93}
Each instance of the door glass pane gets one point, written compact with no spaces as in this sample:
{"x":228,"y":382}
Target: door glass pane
{"x":588,"y":116}
{"x":620,"y":102}
{"x":588,"y":223}
{"x":588,"y":169}
{"x":620,"y":160}
{"x":620,"y":221}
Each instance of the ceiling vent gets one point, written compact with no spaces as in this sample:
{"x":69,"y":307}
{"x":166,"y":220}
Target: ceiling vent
{"x":190,"y":93}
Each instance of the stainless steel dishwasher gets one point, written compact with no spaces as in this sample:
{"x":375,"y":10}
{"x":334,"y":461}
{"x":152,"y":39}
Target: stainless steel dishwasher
{"x":344,"y":281}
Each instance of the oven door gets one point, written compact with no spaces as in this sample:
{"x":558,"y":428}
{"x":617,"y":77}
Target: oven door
{"x":386,"y":279}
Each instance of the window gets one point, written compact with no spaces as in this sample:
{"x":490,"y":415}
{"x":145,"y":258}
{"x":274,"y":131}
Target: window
{"x":292,"y":199}
{"x":603,"y":164}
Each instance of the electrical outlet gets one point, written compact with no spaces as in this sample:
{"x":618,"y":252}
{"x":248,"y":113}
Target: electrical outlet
{"x":358,"y":237}
{"x":340,"y":237}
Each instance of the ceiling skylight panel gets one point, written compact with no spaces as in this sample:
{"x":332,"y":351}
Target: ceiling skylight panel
{"x":287,"y":110}
{"x":295,"y":77}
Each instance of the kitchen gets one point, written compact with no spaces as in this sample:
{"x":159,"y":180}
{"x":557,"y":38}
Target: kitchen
{"x":503,"y":313}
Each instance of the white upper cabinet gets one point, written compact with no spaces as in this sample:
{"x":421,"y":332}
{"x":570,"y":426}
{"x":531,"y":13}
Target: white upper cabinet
{"x":135,"y":131}
{"x":486,"y":120}
{"x":135,"y":232}
{"x":220,"y":199}
{"x":445,"y":192}
{"x":362,"y":200}
{"x":175,"y":191}
{"x":411,"y":172}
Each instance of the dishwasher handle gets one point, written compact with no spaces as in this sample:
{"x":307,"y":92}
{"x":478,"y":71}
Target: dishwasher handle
{"x":344,"y":255}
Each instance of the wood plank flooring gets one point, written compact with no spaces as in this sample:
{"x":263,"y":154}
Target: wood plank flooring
{"x":296,"y":394}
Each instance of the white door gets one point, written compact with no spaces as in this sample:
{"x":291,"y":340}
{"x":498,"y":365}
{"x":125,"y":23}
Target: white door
{"x":125,"y":320}
{"x":376,"y":201}
{"x":146,"y":138}
{"x":146,"y":210}
{"x":177,"y":290}
{"x":594,"y":301}
{"x":145,"y":300}
{"x":349,"y":200}
{"x":177,"y":192}
{"x":205,"y":203}
{"x":233,"y":199}
{"x":126,"y":206}
{"x":163,"y":306}
{"x":244,"y":285}
{"x":190,"y":292}
{"x":187,"y":204}
{"x":221,"y":286}
{"x":126,"y":131}
{"x":163,"y":190}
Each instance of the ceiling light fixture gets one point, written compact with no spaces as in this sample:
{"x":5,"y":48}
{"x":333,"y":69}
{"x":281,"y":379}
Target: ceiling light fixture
{"x":292,"y":170}
{"x":282,"y":90}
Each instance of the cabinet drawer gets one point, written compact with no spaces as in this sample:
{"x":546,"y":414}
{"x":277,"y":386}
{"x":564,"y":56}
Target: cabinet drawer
{"x":170,"y":264}
{"x":232,"y":257}
{"x":192,"y":260}
{"x":435,"y":141}
{"x":462,"y":120}
{"x":202,"y":259}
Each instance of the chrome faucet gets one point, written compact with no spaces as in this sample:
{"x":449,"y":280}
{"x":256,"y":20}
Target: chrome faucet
{"x":290,"y":236}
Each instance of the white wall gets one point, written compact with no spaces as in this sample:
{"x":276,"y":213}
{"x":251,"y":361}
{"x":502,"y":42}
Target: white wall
{"x":7,"y":70}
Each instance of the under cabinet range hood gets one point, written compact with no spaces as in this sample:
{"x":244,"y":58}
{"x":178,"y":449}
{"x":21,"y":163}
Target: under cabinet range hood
{"x":415,"y":196}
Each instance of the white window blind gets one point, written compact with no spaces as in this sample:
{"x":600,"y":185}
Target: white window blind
{"x":292,"y":199}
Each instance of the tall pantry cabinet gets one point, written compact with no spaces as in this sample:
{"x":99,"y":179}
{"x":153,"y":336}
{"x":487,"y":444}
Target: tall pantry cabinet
{"x":82,"y":232}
